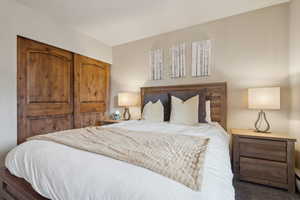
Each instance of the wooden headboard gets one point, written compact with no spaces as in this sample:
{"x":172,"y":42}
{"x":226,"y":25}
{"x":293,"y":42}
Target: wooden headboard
{"x":215,"y":92}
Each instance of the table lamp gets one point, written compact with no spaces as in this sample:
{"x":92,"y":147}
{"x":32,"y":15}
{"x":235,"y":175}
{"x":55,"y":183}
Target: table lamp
{"x":127,"y":99}
{"x":263,"y":99}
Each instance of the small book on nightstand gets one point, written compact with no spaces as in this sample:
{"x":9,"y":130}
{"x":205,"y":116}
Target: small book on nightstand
{"x":267,"y":159}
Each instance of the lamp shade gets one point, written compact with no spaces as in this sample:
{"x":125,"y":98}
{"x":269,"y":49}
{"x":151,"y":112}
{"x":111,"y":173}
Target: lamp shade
{"x":127,"y":99}
{"x":264,"y":98}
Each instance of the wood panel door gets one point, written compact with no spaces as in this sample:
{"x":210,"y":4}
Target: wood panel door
{"x":91,"y":92}
{"x":45,"y":89}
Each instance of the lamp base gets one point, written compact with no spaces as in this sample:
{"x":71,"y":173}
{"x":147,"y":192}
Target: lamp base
{"x":260,"y":120}
{"x":126,"y":114}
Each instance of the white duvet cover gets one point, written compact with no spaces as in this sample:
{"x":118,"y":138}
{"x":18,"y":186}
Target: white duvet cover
{"x":60,"y":172}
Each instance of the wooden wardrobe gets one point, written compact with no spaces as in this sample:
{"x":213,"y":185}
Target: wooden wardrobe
{"x":58,"y":89}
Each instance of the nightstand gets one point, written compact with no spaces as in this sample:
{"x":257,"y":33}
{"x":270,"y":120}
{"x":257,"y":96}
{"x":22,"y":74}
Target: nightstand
{"x":267,"y":159}
{"x":107,"y":122}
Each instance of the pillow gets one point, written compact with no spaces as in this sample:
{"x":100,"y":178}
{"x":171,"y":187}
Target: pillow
{"x":185,"y":95}
{"x":208,"y":113}
{"x":184,"y":112}
{"x":164,"y":99}
{"x":153,"y":112}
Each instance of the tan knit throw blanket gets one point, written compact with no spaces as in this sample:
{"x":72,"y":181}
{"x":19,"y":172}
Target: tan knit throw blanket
{"x":178,"y":157}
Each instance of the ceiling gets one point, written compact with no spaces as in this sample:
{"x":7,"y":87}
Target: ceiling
{"x":115,"y":22}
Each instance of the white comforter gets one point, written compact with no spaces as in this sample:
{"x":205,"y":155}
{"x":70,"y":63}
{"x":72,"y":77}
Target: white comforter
{"x":63,"y":173}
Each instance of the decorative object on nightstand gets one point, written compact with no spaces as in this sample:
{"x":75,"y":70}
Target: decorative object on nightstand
{"x":126,"y":100}
{"x":116,"y":115}
{"x":263,"y":99}
{"x":267,"y":159}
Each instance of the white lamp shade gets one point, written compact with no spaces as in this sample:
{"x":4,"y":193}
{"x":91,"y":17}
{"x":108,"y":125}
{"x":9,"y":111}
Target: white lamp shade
{"x":264,"y":98}
{"x":127,"y":99}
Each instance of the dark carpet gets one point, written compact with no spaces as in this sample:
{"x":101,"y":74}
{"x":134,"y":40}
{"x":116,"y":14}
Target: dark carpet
{"x":249,"y":191}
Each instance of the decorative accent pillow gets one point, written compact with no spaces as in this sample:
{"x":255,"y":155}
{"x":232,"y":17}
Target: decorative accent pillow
{"x":153,"y":112}
{"x":184,"y":112}
{"x":185,"y":95}
{"x":208,"y":113}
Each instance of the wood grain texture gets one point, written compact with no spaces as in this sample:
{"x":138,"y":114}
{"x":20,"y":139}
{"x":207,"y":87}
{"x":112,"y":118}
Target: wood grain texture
{"x":215,"y":92}
{"x":236,"y":156}
{"x":91,"y":94}
{"x":48,"y":81}
{"x":264,"y":159}
{"x":250,"y":133}
{"x":291,"y":164}
{"x":265,"y":149}
{"x":45,"y":85}
{"x":14,"y":188}
{"x":263,"y":169}
{"x":44,"y":124}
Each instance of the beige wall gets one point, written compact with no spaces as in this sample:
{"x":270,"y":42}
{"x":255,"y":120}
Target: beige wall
{"x":16,"y":19}
{"x":295,"y":72}
{"x":249,"y":50}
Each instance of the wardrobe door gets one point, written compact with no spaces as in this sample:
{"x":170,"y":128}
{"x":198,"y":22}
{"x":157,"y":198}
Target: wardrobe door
{"x":91,"y":90}
{"x":45,"y":89}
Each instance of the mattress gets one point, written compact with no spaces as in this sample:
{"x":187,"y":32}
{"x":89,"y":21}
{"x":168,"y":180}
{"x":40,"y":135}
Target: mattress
{"x":60,"y":172}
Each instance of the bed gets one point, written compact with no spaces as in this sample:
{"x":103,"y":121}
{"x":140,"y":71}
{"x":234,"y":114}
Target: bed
{"x":42,"y":170}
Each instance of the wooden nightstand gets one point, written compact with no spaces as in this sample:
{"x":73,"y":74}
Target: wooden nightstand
{"x":107,"y":122}
{"x":267,"y":159}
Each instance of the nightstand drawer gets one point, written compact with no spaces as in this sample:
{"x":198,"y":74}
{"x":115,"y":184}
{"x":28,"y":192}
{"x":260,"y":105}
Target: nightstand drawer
{"x":263,"y":171}
{"x":265,"y":149}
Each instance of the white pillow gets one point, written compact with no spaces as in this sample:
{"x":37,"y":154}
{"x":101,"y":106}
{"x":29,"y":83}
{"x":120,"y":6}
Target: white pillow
{"x":153,"y":112}
{"x":184,"y":112}
{"x":208,"y":113}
